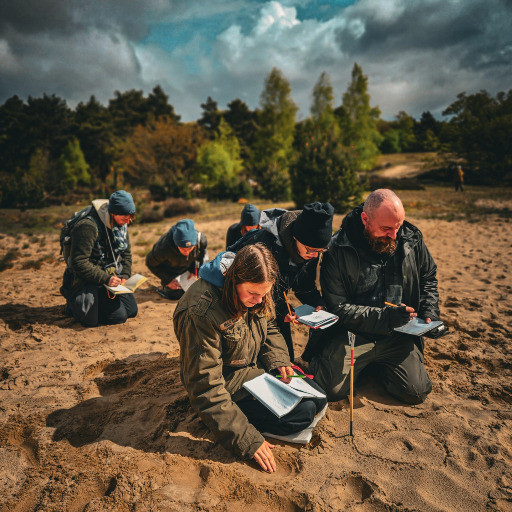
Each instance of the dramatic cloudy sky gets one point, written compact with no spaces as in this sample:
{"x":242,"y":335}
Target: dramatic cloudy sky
{"x":418,"y":54}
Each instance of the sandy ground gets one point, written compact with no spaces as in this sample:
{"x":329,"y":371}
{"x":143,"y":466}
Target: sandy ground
{"x":97,"y":420}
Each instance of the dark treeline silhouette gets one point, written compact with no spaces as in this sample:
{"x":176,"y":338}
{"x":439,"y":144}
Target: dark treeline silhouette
{"x":49,"y":152}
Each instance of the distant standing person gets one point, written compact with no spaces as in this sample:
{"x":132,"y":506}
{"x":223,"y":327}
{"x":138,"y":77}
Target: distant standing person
{"x":180,"y":250}
{"x":249,"y":220}
{"x":458,"y":179}
{"x":100,"y":254}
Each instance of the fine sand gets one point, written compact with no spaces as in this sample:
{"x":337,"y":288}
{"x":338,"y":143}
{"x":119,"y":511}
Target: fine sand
{"x":97,"y":419}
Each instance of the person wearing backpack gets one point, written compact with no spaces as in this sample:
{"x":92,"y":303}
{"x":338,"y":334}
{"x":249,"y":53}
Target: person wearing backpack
{"x":182,"y":249}
{"x":97,"y":252}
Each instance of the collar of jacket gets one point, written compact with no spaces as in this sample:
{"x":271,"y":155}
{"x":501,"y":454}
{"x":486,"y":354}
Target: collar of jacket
{"x":351,"y":233}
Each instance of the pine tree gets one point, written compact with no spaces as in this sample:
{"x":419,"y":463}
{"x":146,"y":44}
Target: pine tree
{"x":324,"y":169}
{"x":274,"y":140}
{"x":358,"y":120}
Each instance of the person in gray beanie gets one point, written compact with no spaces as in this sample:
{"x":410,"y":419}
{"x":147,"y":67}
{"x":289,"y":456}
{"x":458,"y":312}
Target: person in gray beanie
{"x":249,"y":220}
{"x":100,"y":254}
{"x":296,"y":239}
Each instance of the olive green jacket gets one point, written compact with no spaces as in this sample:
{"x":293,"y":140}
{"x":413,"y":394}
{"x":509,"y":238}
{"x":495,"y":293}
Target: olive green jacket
{"x":91,"y":250}
{"x":217,"y":355}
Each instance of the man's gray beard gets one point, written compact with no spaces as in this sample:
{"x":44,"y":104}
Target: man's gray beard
{"x":380,"y":244}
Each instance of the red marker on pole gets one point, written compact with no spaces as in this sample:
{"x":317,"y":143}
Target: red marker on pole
{"x":352,"y":341}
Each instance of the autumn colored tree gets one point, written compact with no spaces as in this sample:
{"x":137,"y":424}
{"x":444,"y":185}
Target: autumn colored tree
{"x":162,"y":155}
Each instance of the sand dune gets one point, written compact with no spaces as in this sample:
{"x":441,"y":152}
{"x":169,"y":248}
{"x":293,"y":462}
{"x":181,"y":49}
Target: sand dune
{"x":97,"y":419}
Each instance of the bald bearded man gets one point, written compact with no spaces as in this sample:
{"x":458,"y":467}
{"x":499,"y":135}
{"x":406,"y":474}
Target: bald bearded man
{"x":376,"y":257}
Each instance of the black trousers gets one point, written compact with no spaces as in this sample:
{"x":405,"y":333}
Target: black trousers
{"x":398,"y":360}
{"x":296,"y":420}
{"x":92,"y":306}
{"x":284,"y":327}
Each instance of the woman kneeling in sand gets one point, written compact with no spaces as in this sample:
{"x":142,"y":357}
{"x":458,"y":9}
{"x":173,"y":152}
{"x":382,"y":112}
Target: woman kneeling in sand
{"x":225,"y":324}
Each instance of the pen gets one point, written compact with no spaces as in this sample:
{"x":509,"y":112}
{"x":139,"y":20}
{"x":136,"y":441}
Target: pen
{"x":291,"y":376}
{"x":390,"y":304}
{"x":288,"y":305}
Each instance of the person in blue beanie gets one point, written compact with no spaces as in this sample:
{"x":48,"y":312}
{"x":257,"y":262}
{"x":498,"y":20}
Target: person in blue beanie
{"x":225,"y":325}
{"x":100,"y":254}
{"x":249,"y":220}
{"x":176,"y":257}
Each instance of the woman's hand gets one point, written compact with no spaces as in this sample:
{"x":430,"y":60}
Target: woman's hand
{"x":291,"y":318}
{"x":264,"y":457}
{"x":285,"y":371}
{"x":114,"y":281}
{"x":174,"y":285}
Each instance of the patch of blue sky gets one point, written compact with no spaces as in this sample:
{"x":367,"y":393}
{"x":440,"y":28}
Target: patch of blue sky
{"x":321,"y":10}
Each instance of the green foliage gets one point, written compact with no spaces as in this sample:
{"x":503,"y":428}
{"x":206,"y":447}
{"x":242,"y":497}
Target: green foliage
{"x":479,"y":131}
{"x":358,"y":120}
{"x":219,"y":165}
{"x":391,"y":142}
{"x":71,"y":169}
{"x":324,"y":169}
{"x":243,"y":122}
{"x":210,"y":119}
{"x":323,"y":97}
{"x":273,"y":148}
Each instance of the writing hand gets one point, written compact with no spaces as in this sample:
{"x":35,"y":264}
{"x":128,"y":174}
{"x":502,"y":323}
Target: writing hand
{"x":399,"y":315}
{"x":174,"y":285}
{"x":319,"y":308}
{"x":285,"y":371}
{"x":264,"y":457}
{"x":428,"y":320}
{"x":291,"y":318}
{"x":114,"y":281}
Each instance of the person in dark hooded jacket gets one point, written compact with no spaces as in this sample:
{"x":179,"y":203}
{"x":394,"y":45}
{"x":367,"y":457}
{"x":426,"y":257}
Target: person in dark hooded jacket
{"x":178,"y":255}
{"x":249,"y":220}
{"x":100,"y":254}
{"x":375,"y":258}
{"x":296,"y":239}
{"x":227,"y":334}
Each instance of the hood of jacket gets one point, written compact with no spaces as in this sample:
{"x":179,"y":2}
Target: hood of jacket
{"x":278,"y":222}
{"x":215,"y":270}
{"x":101,"y":207}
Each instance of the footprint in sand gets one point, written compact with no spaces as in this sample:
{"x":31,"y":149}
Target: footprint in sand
{"x":347,"y":490}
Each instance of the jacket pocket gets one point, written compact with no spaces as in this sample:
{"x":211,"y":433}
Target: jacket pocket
{"x":235,"y":349}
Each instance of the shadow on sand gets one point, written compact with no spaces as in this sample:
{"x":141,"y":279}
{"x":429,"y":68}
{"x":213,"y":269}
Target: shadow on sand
{"x":142,"y":405}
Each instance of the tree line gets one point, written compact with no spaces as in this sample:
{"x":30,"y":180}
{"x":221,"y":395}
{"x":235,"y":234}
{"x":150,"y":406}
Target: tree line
{"x":49,"y":151}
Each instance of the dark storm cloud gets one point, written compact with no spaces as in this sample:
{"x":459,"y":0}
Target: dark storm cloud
{"x":475,"y":32}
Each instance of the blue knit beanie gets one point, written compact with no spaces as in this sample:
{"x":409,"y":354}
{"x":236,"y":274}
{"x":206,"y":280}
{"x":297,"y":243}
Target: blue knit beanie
{"x":250,"y":215}
{"x":184,"y":233}
{"x":121,"y":203}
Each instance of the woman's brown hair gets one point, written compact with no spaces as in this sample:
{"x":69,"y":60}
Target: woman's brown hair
{"x":252,"y":264}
